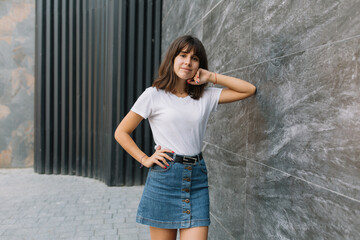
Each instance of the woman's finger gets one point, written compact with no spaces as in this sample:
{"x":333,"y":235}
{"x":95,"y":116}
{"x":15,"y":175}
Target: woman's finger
{"x":196,"y":78}
{"x":167,"y":150}
{"x":167,"y":156}
{"x":159,"y":163}
{"x":198,"y":73}
{"x":165,"y":162}
{"x":162,"y":159}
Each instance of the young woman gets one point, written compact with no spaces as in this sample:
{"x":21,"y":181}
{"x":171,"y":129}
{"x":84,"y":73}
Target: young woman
{"x":178,"y":107}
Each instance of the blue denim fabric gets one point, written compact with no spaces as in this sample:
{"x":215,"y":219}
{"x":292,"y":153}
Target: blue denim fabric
{"x":166,"y":203}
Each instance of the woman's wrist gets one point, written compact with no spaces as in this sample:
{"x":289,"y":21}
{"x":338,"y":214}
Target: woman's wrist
{"x":141,"y":160}
{"x":213,"y":78}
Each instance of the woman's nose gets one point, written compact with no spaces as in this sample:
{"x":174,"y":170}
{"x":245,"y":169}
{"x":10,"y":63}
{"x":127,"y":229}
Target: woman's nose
{"x":187,"y":61}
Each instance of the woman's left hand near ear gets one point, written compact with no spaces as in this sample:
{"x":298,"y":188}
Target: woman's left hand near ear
{"x":201,"y":77}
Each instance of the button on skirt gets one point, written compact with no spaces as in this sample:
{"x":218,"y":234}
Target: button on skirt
{"x":175,"y":197}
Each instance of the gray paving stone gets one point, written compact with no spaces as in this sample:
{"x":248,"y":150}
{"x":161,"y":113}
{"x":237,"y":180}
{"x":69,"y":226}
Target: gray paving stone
{"x":115,"y":220}
{"x":84,"y":233}
{"x":144,"y":236}
{"x":112,"y":237}
{"x":104,"y":232}
{"x":84,"y":228}
{"x":44,"y":207}
{"x":8,"y":221}
{"x":14,"y":238}
{"x":97,"y":238}
{"x":67,"y":235}
{"x":81,"y":238}
{"x":133,"y":236}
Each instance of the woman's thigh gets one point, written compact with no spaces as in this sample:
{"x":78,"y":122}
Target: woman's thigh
{"x":162,"y":234}
{"x":194,"y":233}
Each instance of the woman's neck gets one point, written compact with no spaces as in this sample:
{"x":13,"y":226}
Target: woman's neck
{"x":180,"y":86}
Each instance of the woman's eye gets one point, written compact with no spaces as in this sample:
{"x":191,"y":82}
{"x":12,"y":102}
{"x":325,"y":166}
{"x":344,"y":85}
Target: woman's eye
{"x":195,"y":59}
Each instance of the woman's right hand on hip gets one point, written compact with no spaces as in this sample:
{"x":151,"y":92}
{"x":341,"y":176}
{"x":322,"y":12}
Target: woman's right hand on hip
{"x":158,"y":158}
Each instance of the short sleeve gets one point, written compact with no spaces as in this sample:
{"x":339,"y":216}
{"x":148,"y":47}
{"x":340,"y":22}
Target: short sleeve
{"x":143,"y":104}
{"x":214,"y":94}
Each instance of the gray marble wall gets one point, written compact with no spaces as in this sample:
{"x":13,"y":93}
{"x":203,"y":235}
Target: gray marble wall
{"x":284,"y":164}
{"x":17,"y":42}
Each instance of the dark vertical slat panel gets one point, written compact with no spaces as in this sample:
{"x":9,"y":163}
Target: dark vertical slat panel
{"x":103,"y":84}
{"x":121,"y":26}
{"x":97,"y":66}
{"x":39,"y":117}
{"x":139,"y":86}
{"x":157,"y":35}
{"x":148,"y":74}
{"x":111,"y":90}
{"x":65,"y":88}
{"x":79,"y":43}
{"x":129,"y":164}
{"x":49,"y":121}
{"x":122,"y":87}
{"x":99,"y":60}
{"x":97,"y":63}
{"x":72,"y":88}
{"x":90,"y":100}
{"x":97,"y":85}
{"x":57,"y":87}
{"x":105,"y":145}
{"x":85,"y":83}
{"x":95,"y":100}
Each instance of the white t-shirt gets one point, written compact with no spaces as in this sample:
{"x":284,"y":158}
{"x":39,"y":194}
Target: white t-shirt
{"x":177,"y":123}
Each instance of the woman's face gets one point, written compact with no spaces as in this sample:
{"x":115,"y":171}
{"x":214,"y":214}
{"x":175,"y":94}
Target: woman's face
{"x":186,"y":64}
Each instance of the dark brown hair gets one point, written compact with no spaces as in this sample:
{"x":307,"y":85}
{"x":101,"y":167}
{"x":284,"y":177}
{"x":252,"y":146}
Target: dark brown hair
{"x":167,"y":78}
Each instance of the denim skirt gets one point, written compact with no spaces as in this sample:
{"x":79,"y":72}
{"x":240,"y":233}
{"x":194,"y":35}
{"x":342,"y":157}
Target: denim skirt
{"x":176,"y":197}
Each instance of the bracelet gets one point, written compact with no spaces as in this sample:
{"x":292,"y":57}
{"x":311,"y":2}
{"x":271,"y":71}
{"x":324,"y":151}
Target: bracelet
{"x":141,"y":161}
{"x":215,"y":79}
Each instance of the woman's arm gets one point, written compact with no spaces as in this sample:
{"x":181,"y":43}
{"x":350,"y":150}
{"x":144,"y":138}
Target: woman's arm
{"x":236,"y":89}
{"x":122,"y":136}
{"x":123,"y":132}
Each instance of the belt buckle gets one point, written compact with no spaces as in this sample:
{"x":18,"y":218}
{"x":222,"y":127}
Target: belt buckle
{"x":189,"y":160}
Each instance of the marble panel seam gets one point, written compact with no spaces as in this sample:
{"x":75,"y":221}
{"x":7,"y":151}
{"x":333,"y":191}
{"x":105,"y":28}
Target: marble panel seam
{"x":301,"y":179}
{"x":168,"y":13}
{"x":226,"y":165}
{"x":222,"y":226}
{"x":239,"y":186}
{"x":225,"y":150}
{"x":205,"y":15}
{"x":193,"y":26}
{"x":290,"y":54}
{"x":298,"y":178}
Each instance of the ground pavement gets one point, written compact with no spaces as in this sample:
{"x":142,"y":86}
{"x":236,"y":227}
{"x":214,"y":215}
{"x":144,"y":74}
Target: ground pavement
{"x":49,"y":207}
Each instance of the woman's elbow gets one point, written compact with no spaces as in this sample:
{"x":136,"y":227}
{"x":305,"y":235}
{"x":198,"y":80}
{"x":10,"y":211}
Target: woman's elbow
{"x":117,"y":134}
{"x":253,"y":91}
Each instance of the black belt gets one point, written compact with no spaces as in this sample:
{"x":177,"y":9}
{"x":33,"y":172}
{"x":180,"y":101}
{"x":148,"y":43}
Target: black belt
{"x":186,"y":159}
